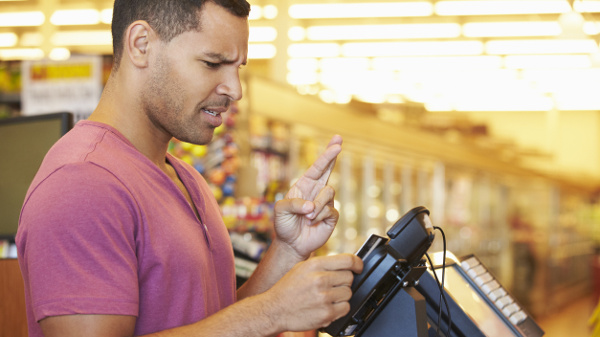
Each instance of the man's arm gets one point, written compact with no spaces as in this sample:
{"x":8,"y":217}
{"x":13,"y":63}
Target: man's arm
{"x":311,"y":295}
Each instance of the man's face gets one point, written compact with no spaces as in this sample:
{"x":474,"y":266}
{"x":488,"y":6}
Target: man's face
{"x":195,"y":76}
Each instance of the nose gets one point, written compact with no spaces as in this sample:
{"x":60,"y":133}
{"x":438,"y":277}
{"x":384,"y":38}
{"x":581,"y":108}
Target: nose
{"x":231,"y":86}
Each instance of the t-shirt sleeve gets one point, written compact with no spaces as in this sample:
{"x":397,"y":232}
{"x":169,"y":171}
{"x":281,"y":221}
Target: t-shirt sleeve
{"x":77,"y":242}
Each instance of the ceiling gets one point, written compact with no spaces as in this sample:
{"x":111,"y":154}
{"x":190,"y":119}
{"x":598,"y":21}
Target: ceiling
{"x":471,"y":55}
{"x":537,"y":58}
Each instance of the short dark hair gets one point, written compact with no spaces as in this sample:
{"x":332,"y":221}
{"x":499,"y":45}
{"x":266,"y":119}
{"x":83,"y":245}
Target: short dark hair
{"x":168,"y":18}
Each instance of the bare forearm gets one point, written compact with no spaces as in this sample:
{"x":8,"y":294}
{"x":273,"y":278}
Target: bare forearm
{"x":251,"y":317}
{"x":277,"y":261}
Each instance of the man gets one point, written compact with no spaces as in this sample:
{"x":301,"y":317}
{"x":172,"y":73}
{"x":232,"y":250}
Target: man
{"x":118,"y":238}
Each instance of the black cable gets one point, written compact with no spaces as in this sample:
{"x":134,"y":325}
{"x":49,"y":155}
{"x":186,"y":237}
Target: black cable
{"x":441,"y":286}
{"x":444,"y":278}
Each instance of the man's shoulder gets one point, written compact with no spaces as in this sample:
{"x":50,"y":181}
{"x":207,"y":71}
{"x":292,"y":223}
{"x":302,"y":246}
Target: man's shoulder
{"x":96,"y":144}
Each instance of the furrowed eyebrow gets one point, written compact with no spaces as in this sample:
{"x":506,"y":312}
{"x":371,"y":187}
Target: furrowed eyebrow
{"x":221,"y":58}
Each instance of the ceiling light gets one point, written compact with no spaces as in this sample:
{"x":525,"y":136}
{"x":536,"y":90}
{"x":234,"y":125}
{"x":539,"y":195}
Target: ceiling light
{"x":586,"y":6}
{"x":559,"y":80}
{"x":547,"y":61}
{"x":261,"y":51}
{"x":270,"y":12}
{"x":21,"y":54}
{"x":8,"y":39}
{"x":580,"y":100}
{"x":262,"y":34}
{"x":361,"y":10}
{"x":381,"y":32}
{"x":296,"y":33}
{"x":532,"y":47}
{"x":21,"y":19}
{"x":591,"y":28}
{"x":60,"y":54}
{"x":437,"y":62}
{"x":32,"y":39}
{"x":501,"y":7}
{"x":303,"y":65}
{"x":106,"y":15}
{"x":498,"y":29}
{"x":314,"y":50}
{"x":361,"y":81}
{"x":344,"y":63}
{"x":75,"y":17}
{"x":82,"y":38}
{"x":255,"y":12}
{"x":373,"y":49}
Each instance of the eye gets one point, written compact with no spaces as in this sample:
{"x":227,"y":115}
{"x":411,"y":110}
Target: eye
{"x":212,"y":65}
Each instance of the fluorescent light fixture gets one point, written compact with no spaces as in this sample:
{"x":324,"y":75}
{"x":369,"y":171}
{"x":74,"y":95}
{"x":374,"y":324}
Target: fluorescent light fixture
{"x":255,"y":12}
{"x":21,"y":19}
{"x":561,"y":80}
{"x":586,"y":6}
{"x":59,"y":54}
{"x":296,"y":33}
{"x":382,"y":32}
{"x":533,"y":47}
{"x":32,"y":39}
{"x":75,"y":17}
{"x":501,"y":7}
{"x":591,"y":28}
{"x":581,"y":100}
{"x":21,"y":54}
{"x":361,"y":10}
{"x":82,"y":38}
{"x":437,"y":62}
{"x":342,"y":64}
{"x":270,"y":12}
{"x":106,"y":15}
{"x":303,"y":65}
{"x":314,"y":50}
{"x":261,"y":51}
{"x":262,"y":34}
{"x":511,"y":29}
{"x":360,"y":81}
{"x":547,"y":61}
{"x":8,"y":39}
{"x":374,"y":49}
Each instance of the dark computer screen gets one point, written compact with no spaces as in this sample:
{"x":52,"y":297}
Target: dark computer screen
{"x":24,"y":141}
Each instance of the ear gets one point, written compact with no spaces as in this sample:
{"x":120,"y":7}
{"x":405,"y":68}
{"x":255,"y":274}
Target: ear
{"x":137,"y":42}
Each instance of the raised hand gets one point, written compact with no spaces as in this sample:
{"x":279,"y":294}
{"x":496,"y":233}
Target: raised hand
{"x":305,"y":218}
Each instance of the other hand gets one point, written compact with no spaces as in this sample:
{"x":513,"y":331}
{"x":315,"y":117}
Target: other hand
{"x":314,"y":292}
{"x":306,"y":217}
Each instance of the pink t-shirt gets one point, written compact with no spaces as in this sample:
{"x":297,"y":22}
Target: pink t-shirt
{"x":104,"y":231}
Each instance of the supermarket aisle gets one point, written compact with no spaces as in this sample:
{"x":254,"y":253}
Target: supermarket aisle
{"x":572,"y":321}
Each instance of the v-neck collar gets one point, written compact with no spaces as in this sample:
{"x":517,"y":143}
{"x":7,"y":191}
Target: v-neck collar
{"x":187,"y":180}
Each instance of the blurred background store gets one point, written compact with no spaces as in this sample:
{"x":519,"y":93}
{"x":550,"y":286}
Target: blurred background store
{"x":486,"y":112}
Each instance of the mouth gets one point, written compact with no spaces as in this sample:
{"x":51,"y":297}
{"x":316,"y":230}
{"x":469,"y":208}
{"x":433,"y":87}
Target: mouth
{"x":211,"y":112}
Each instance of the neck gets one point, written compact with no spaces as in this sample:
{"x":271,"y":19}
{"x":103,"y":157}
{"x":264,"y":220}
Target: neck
{"x":119,"y":107}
